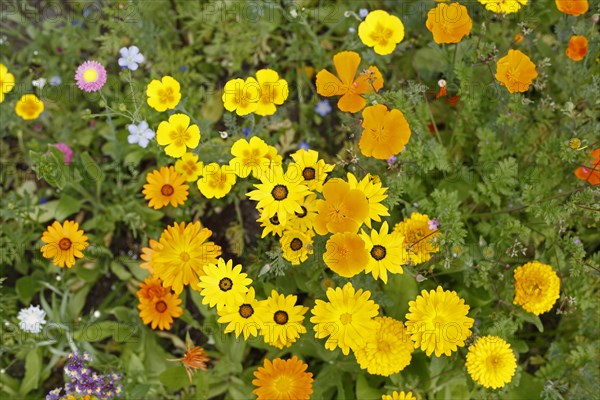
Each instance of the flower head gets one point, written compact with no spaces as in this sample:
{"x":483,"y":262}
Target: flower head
{"x":66,"y":150}
{"x":270,"y":224}
{"x":189,"y":167}
{"x":516,"y":71}
{"x":282,"y":320}
{"x":374,"y":191}
{"x":64,"y":243}
{"x":130,"y":57}
{"x":385,"y":252}
{"x":283,"y":380}
{"x":296,"y":245}
{"x":419,"y":239}
{"x":164,"y":94}
{"x":572,"y":7}
{"x":223,"y":284}
{"x":578,"y":47}
{"x":90,"y":76}
{"x":178,"y":135}
{"x":503,"y":6}
{"x":491,"y":362}
{"x":165,"y":186}
{"x":31,"y":319}
{"x":217,"y":180}
{"x":399,"y":396}
{"x":273,"y":91}
{"x":242,"y":317}
{"x":151,"y":288}
{"x":449,"y":23}
{"x":312,"y":169}
{"x":29,"y":107}
{"x":537,"y":287}
{"x":346,"y":254}
{"x":7,"y":81}
{"x":385,"y":133}
{"x":242,"y":96}
{"x":305,"y":220}
{"x":140,"y":134}
{"x":195,"y":358}
{"x":591,"y":174}
{"x":249,"y":157}
{"x":160,"y":311}
{"x":343,"y":209}
{"x":323,"y":108}
{"x":381,"y":31}
{"x":147,"y":253}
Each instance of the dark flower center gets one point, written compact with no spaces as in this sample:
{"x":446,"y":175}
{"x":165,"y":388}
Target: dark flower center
{"x":279,"y":192}
{"x":167,"y":190}
{"x":225,"y":284}
{"x":308,"y":174}
{"x":281,"y":317}
{"x":161,"y":306}
{"x":64,"y":244}
{"x":246,"y":310}
{"x":303,"y":213}
{"x":274,"y":219}
{"x":296,"y":244}
{"x":378,"y":252}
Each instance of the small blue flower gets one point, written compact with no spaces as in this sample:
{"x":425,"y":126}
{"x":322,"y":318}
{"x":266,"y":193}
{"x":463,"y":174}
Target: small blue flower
{"x":140,"y":134}
{"x":433,"y":225}
{"x":130,"y":57}
{"x":183,"y":68}
{"x":363,"y":12}
{"x":351,"y":30}
{"x":43,"y":200}
{"x":246,"y":131}
{"x":392,"y":160}
{"x":303,"y":146}
{"x":323,"y":108}
{"x":55,"y":80}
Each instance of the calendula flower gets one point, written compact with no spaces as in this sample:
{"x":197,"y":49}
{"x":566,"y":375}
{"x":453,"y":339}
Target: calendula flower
{"x":537,"y":287}
{"x":140,"y":134}
{"x":283,"y":380}
{"x":374,"y":191}
{"x":130,"y":57}
{"x":160,"y":311}
{"x":296,"y":245}
{"x":577,"y":48}
{"x":282,"y":320}
{"x":449,"y":23}
{"x":386,"y":252}
{"x":385,"y":132}
{"x":270,"y":224}
{"x":348,"y":86}
{"x":90,"y":76}
{"x":151,"y":288}
{"x":591,"y":174}
{"x":242,"y":96}
{"x":217,"y":180}
{"x":31,"y":319}
{"x":178,"y":135}
{"x":420,"y":241}
{"x":165,"y":186}
{"x":304,"y":220}
{"x":223,"y":284}
{"x":572,"y":7}
{"x":7,"y":81}
{"x":189,"y":167}
{"x":147,"y":253}
{"x":381,"y":31}
{"x":184,"y":253}
{"x":491,"y":362}
{"x":387,"y":349}
{"x":343,"y":209}
{"x":242,"y":317}
{"x":347,"y":318}
{"x":503,"y":6}
{"x":516,"y":71}
{"x":273,"y":91}
{"x":29,"y":107}
{"x":313,"y":170}
{"x":437,"y":322}
{"x":346,"y":254}
{"x":163,"y":94}
{"x":195,"y":358}
{"x":249,"y":157}
{"x":399,"y":396}
{"x":64,"y":243}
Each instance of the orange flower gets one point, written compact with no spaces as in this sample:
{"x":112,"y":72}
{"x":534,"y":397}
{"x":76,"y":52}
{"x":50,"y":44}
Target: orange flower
{"x":449,"y":23}
{"x":147,"y":253}
{"x":350,"y":87}
{"x":151,"y":288}
{"x":195,"y":358}
{"x":577,"y":49}
{"x":572,"y":7}
{"x":385,"y":132}
{"x":516,"y":71}
{"x":591,"y":174}
{"x":343,"y":209}
{"x":346,"y":254}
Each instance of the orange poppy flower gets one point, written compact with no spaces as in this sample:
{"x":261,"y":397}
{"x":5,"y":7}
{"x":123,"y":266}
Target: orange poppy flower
{"x":449,"y":23}
{"x":516,"y":71}
{"x":577,"y":49}
{"x":348,"y":85}
{"x":572,"y":7}
{"x":385,"y":132}
{"x":591,"y":174}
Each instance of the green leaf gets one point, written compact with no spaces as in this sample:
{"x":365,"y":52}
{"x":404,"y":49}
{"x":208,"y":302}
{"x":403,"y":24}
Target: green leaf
{"x":25,"y":289}
{"x":33,"y":367}
{"x":400,"y":289}
{"x":174,"y":378}
{"x":78,"y":301}
{"x":66,"y":206}
{"x":364,"y":390}
{"x":531,"y":318}
{"x":120,"y":271}
{"x":96,"y":332}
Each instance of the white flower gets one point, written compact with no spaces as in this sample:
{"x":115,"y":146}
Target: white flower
{"x":31,"y":319}
{"x":39,"y":83}
{"x":130,"y":57}
{"x":140,"y":134}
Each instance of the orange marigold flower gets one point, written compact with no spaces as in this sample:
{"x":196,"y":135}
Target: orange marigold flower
{"x":578,"y":47}
{"x":449,"y":23}
{"x":572,"y":7}
{"x":591,"y":174}
{"x":165,"y":186}
{"x":195,"y":358}
{"x":343,"y":209}
{"x":350,"y":87}
{"x":160,"y":311}
{"x":151,"y":288}
{"x":283,"y":380}
{"x":516,"y":71}
{"x":385,"y":133}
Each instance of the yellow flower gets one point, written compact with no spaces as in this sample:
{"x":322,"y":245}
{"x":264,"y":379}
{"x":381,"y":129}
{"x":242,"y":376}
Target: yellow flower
{"x":273,"y":156}
{"x":347,"y":318}
{"x":491,"y":362}
{"x":160,"y":311}
{"x":283,"y":380}
{"x":313,"y":171}
{"x":346,"y":254}
{"x":420,"y":241}
{"x":249,"y":157}
{"x":29,"y":107}
{"x":147,"y":253}
{"x":178,"y":135}
{"x":385,"y":133}
{"x":305,"y":220}
{"x":7,"y":81}
{"x":449,"y":23}
{"x":437,"y":321}
{"x":223,"y":284}
{"x":183,"y":255}
{"x":343,"y":210}
{"x":64,"y":243}
{"x":273,"y":90}
{"x":164,"y":94}
{"x":270,"y":224}
{"x":387,"y":350}
{"x":399,"y":396}
{"x":242,"y":317}
{"x":165,"y":186}
{"x":296,"y":245}
{"x":537,"y":287}
{"x":385,"y":251}
{"x":503,"y":6}
{"x":374,"y":191}
{"x":381,"y":31}
{"x":281,"y":319}
{"x":516,"y":71}
{"x":217,"y":180}
{"x":189,"y":167}
{"x":241,"y":96}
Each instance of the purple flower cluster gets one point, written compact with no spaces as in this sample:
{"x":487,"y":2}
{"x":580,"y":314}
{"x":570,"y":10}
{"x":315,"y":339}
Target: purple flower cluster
{"x":85,"y":381}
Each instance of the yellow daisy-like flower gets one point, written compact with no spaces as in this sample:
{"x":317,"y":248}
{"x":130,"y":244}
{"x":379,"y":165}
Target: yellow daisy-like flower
{"x":381,"y":31}
{"x":64,"y":243}
{"x":217,"y":180}
{"x":279,"y":193}
{"x":29,"y":107}
{"x":374,"y":191}
{"x":164,"y":94}
{"x":437,"y":321}
{"x":184,"y":253}
{"x":305,"y":220}
{"x":343,"y":210}
{"x":160,"y":311}
{"x":270,"y":224}
{"x":147,"y":253}
{"x":420,"y":241}
{"x":387,"y":350}
{"x":273,"y":91}
{"x":273,"y":156}
{"x":313,"y":171}
{"x":491,"y":362}
{"x":283,"y":380}
{"x":503,"y":6}
{"x":281,"y":319}
{"x":347,"y":318}
{"x":7,"y":81}
{"x":241,"y":96}
{"x":399,"y":396}
{"x":165,"y":186}
{"x":296,"y":245}
{"x":243,"y":317}
{"x":346,"y":254}
{"x":223,"y":284}
{"x":250,"y":157}
{"x":385,"y":251}
{"x":537,"y":287}
{"x":189,"y":167}
{"x":178,"y":135}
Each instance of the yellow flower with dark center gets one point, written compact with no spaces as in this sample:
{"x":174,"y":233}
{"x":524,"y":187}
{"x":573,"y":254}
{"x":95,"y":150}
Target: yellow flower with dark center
{"x":7,"y":81}
{"x":29,"y":107}
{"x":399,"y":396}
{"x":242,"y":317}
{"x":537,"y":287}
{"x":164,"y":94}
{"x":283,"y":380}
{"x":223,"y":284}
{"x":147,"y":253}
{"x":273,"y":91}
{"x":503,"y":6}
{"x":270,"y":224}
{"x":381,"y":31}
{"x":241,"y":96}
{"x":178,"y":135}
{"x":217,"y":180}
{"x":189,"y":167}
{"x":343,"y":209}
{"x":420,"y":241}
{"x":305,"y":220}
{"x":346,"y":254}
{"x":491,"y":362}
{"x":296,"y":245}
{"x":437,"y":322}
{"x":385,"y":252}
{"x":282,"y":320}
{"x":516,"y":71}
{"x":374,"y":191}
{"x":385,"y":133}
{"x":64,"y":243}
{"x":160,"y":311}
{"x":165,"y":186}
{"x":250,"y":157}
{"x":313,"y":171}
{"x":346,"y":319}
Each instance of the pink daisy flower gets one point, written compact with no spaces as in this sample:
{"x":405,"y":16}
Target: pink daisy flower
{"x":90,"y":76}
{"x":66,"y":150}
